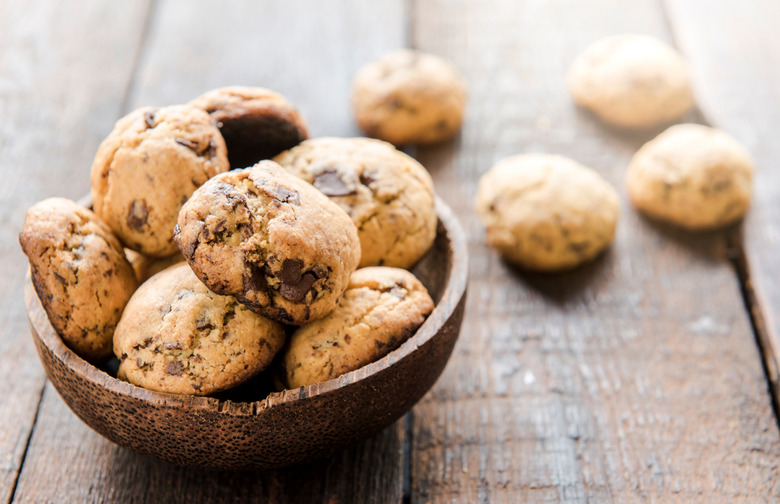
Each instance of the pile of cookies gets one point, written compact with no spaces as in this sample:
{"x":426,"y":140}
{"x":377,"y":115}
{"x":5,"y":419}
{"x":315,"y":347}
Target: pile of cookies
{"x":245,"y":237}
{"x":549,"y":213}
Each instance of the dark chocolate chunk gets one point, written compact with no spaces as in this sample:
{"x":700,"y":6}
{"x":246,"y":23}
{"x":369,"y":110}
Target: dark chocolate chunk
{"x":367,"y":178}
{"x":291,"y":271}
{"x":255,"y":279}
{"x":149,"y":118}
{"x":174,"y":368}
{"x":172,"y":346}
{"x":284,"y":195}
{"x":137,"y":215}
{"x":295,"y":292}
{"x":188,"y":143}
{"x":331,"y":184}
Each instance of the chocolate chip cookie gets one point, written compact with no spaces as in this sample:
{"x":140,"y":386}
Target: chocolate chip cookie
{"x":409,"y":97}
{"x":388,"y":194}
{"x":380,"y":310}
{"x":271,"y":240}
{"x":546,"y":212}
{"x":147,"y":168}
{"x":257,"y":123}
{"x":80,"y":273}
{"x":177,"y":336}
{"x":633,"y":81}
{"x":693,"y":176}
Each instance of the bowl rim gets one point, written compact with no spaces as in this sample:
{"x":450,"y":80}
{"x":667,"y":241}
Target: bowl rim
{"x":454,"y":290}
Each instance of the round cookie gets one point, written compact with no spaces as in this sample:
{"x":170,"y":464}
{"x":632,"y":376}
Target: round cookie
{"x":633,"y":81}
{"x":388,"y":194}
{"x":256,"y":123}
{"x":380,"y":310}
{"x":270,"y":239}
{"x":693,"y":176}
{"x":546,"y":212}
{"x":177,"y":336}
{"x":409,"y":97}
{"x":80,"y":273}
{"x":146,"y":267}
{"x":146,"y":169}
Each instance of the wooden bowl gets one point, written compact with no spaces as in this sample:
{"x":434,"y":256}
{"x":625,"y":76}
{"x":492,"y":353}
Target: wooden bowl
{"x":286,"y":427}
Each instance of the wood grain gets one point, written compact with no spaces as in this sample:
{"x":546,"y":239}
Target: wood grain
{"x":737,"y":82}
{"x":307,"y":51}
{"x":58,"y":95}
{"x":633,"y":379}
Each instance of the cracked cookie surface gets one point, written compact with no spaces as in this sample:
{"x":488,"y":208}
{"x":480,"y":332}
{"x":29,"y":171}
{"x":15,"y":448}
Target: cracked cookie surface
{"x":381,"y":309}
{"x":633,"y":81}
{"x":409,"y":97}
{"x":693,"y":176}
{"x":388,"y":194}
{"x":257,"y":123}
{"x":146,"y":169}
{"x":177,"y":336}
{"x":80,"y":273}
{"x":270,"y":239}
{"x":546,"y":212}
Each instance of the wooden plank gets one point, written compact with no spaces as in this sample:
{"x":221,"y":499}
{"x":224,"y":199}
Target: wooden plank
{"x":737,"y":82}
{"x":59,"y":93}
{"x":307,"y":51}
{"x":633,"y":379}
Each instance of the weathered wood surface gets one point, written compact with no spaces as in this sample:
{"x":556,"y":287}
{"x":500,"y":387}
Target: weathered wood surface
{"x":64,"y":69}
{"x":734,"y":51}
{"x":635,"y":378}
{"x":307,"y":51}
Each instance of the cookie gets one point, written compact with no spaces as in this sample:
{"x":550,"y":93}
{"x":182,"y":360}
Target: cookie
{"x":388,"y":194}
{"x":546,"y":212}
{"x":256,"y":123}
{"x":692,"y":176}
{"x":80,"y":273}
{"x":177,"y":336}
{"x":147,"y":168}
{"x":409,"y":97}
{"x":146,"y":267}
{"x":381,"y":309}
{"x":271,"y":240}
{"x":633,"y":81}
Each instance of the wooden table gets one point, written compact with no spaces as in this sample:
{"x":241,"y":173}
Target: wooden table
{"x":645,"y":376}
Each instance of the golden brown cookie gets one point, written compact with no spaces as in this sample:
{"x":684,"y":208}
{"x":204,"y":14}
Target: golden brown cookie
{"x":388,"y":194}
{"x":381,"y":309}
{"x":257,"y":123}
{"x":546,"y":212}
{"x":633,"y":81}
{"x":80,"y":273}
{"x":146,"y":267}
{"x":693,"y":176}
{"x":409,"y":97}
{"x":177,"y":336}
{"x":147,"y":168}
{"x":270,"y":239}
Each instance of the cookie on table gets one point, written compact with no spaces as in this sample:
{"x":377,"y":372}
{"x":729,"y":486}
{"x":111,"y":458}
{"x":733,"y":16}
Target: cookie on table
{"x":546,"y":212}
{"x":381,"y":309}
{"x":80,"y":273}
{"x":388,"y":194}
{"x":692,"y":176}
{"x":409,"y":97}
{"x":270,"y":239}
{"x":146,"y":267}
{"x":256,"y":123}
{"x":177,"y":336}
{"x":633,"y":81}
{"x":146,"y":169}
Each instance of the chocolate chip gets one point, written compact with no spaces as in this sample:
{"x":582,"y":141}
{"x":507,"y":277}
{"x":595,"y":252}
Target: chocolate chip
{"x":137,"y":215}
{"x":284,"y":195}
{"x":204,"y":324}
{"x":291,"y":271}
{"x":188,"y":143}
{"x":172,"y":346}
{"x":295,"y":292}
{"x":174,"y":368}
{"x":255,"y":279}
{"x":149,"y":118}
{"x":367,"y":178}
{"x":331,"y":184}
